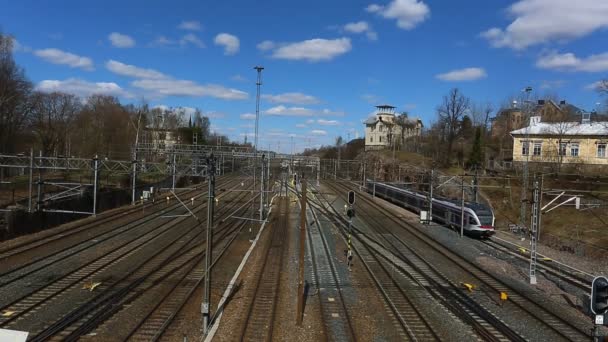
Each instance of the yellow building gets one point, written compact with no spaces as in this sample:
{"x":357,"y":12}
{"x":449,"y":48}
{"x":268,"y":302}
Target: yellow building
{"x":562,"y":144}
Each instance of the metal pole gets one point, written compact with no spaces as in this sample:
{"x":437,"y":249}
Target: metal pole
{"x":135,"y":159}
{"x":534,"y":225}
{"x":39,"y":201}
{"x":431,"y":194}
{"x":476,"y":186}
{"x":540,"y":201}
{"x":173,"y":186}
{"x":206,"y":307}
{"x":364,"y":164}
{"x":335,"y":169}
{"x":134,"y":177}
{"x":96,"y":176}
{"x":462,"y":208}
{"x":300,"y":306}
{"x":262,"y":190}
{"x":29,"y":202}
{"x":525,"y":171}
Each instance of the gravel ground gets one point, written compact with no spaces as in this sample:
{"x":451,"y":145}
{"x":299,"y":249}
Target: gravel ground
{"x":512,"y":276}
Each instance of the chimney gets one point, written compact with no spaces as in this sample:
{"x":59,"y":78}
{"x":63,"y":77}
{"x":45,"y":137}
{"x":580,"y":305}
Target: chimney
{"x":534,"y":120}
{"x":586,"y":117}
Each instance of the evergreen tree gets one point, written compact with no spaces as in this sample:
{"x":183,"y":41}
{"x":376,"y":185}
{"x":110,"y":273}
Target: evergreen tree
{"x":476,"y":157}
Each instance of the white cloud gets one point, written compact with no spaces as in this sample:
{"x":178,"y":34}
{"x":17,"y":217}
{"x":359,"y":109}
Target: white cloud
{"x":266,"y":45}
{"x":318,"y":132}
{"x":570,"y":62}
{"x":57,"y":56}
{"x":595,"y":85}
{"x":313,"y":50}
{"x":133,"y":71}
{"x":230,"y":43}
{"x":82,"y":88}
{"x":361,"y":27}
{"x":214,"y":115}
{"x":281,"y":110}
{"x":191,"y":38}
{"x":162,"y":40}
{"x":358,"y":27}
{"x":323,"y":122}
{"x":247,"y":116}
{"x":301,"y":125}
{"x":371,"y":98}
{"x":330,"y":112}
{"x":310,"y":121}
{"x":121,"y":40}
{"x":171,"y":87}
{"x":541,"y":21}
{"x":191,"y":25}
{"x":289,"y":111}
{"x":293,"y":98}
{"x":466,"y":74}
{"x":551,"y":84}
{"x":238,"y":78}
{"x":408,"y":13}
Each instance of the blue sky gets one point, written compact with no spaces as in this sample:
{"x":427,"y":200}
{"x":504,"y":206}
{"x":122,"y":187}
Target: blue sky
{"x":326,"y":62}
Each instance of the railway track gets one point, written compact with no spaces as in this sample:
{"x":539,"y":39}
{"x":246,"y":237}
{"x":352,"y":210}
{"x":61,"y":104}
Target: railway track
{"x":523,"y":303}
{"x":77,"y":228}
{"x":407,"y":317}
{"x":157,"y":322}
{"x":71,"y":283}
{"x":568,"y":274}
{"x":259,"y":321}
{"x":39,"y":254}
{"x":336,"y":318}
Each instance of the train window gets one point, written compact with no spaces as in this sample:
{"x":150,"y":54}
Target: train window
{"x":485,"y":220}
{"x":472,"y":220}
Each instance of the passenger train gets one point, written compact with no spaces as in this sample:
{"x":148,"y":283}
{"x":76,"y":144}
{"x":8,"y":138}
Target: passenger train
{"x":478,"y":218}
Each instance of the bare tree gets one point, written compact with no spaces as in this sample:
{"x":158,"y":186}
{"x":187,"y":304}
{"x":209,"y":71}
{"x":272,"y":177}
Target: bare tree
{"x":602,"y":88}
{"x":14,"y":93}
{"x":450,"y":112}
{"x":51,"y":119}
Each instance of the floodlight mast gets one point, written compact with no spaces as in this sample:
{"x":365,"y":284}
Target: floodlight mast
{"x":525,"y":170}
{"x":255,"y":149}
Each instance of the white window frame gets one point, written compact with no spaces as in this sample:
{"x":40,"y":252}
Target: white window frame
{"x":525,"y":148}
{"x":540,"y":148}
{"x":575,"y":147}
{"x":604,"y":150}
{"x":371,"y":139}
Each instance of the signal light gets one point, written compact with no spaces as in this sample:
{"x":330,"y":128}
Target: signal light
{"x":350,"y":212}
{"x":599,"y":295}
{"x":351,"y":197}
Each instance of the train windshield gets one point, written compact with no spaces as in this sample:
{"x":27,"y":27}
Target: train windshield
{"x":486,"y":220}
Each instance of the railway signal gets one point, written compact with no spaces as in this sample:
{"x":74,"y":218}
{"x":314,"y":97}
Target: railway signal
{"x":351,"y":197}
{"x":599,"y":295}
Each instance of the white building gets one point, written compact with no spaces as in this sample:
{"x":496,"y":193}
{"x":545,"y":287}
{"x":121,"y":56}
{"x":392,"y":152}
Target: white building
{"x":384,"y":129}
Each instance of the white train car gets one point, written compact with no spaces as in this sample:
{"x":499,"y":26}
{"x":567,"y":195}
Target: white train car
{"x":478,"y":218}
